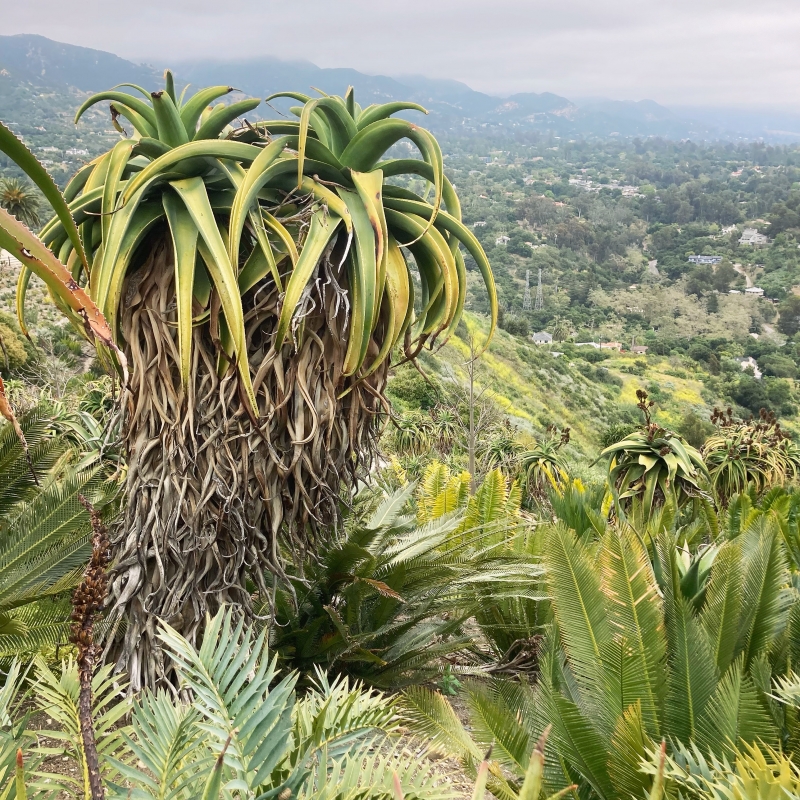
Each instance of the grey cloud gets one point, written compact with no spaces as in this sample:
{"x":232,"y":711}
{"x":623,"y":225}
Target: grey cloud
{"x":711,"y":52}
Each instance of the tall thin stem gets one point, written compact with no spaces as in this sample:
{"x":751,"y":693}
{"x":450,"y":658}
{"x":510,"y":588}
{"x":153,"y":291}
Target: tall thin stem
{"x":86,"y":603}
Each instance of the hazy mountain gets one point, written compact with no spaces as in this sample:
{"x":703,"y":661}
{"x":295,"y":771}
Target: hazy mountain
{"x":44,"y":62}
{"x":31,"y":66}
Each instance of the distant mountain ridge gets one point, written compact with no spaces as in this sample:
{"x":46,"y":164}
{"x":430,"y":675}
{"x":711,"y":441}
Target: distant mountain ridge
{"x":453,"y":106}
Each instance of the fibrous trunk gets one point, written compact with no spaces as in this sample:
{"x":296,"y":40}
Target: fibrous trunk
{"x":216,"y":498}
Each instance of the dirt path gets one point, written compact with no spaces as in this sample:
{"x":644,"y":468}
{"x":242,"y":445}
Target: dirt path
{"x":740,"y":269}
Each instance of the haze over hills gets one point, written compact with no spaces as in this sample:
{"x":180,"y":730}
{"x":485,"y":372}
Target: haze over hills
{"x":31,"y":64}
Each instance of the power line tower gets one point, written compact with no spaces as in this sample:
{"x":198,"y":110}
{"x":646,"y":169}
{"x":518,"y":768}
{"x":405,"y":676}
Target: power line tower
{"x":539,"y":304}
{"x":526,"y":300}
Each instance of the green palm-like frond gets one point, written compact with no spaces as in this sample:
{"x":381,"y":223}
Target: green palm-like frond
{"x":692,"y":673}
{"x":56,"y":695}
{"x":720,"y":617}
{"x":734,"y":713}
{"x":765,"y":593}
{"x":636,"y":615}
{"x":433,"y":719}
{"x":579,"y":607}
{"x":16,"y":480}
{"x":255,"y":724}
{"x":167,"y":741}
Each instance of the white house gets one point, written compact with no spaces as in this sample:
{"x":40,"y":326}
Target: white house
{"x":542,"y":337}
{"x":749,"y":361}
{"x":502,"y":241}
{"x":754,"y":291}
{"x":704,"y":259}
{"x":753,"y":238}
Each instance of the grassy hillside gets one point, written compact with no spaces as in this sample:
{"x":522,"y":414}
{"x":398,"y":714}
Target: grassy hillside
{"x":537,"y":388}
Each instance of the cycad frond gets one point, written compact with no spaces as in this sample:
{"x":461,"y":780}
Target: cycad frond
{"x":734,"y":713}
{"x":787,"y":689}
{"x":432,"y":718}
{"x":629,"y":746}
{"x":33,"y":627}
{"x":48,"y":541}
{"x":720,"y":617}
{"x":580,"y":744}
{"x":635,"y":614}
{"x":166,"y":740}
{"x":494,"y":724}
{"x":253,"y":725}
{"x":579,"y":606}
{"x":16,"y":480}
{"x":57,"y":696}
{"x":765,"y":598}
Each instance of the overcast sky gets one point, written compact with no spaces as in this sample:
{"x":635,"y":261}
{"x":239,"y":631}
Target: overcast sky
{"x":730,"y":53}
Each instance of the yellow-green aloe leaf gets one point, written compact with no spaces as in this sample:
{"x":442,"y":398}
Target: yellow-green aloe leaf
{"x":238,"y":175}
{"x":202,"y":283}
{"x":192,"y":192}
{"x":168,"y":120}
{"x":78,"y":181}
{"x":369,"y":186}
{"x":195,"y":105}
{"x":333,"y":202}
{"x":23,"y":281}
{"x":279,"y":229}
{"x":435,"y":244}
{"x":22,"y":156}
{"x":219,"y":148}
{"x":149,"y":147}
{"x":415,"y":166}
{"x":120,"y":154}
{"x":85,"y":206}
{"x":461,"y":268}
{"x":341,"y":126}
{"x":375,"y":113}
{"x":169,"y":85}
{"x":467,"y":238}
{"x":254,"y":269}
{"x":371,"y":142}
{"x":142,"y":221}
{"x":254,"y":180}
{"x":103,"y":270}
{"x":221,"y":117}
{"x":322,"y":228}
{"x":139,"y":106}
{"x":303,"y":98}
{"x":140,"y":124}
{"x":363,"y":270}
{"x":305,"y":121}
{"x":142,"y":91}
{"x":24,"y":245}
{"x":184,"y":244}
{"x":399,"y":302}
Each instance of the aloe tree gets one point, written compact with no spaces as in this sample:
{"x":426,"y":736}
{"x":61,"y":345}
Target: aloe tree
{"x":651,"y":464}
{"x":254,"y":282}
{"x":744,"y":454}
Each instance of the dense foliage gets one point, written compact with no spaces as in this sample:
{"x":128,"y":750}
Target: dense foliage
{"x":600,"y":573}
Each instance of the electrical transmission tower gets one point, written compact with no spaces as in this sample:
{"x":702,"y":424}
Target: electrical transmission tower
{"x":539,"y":305}
{"x":526,"y":300}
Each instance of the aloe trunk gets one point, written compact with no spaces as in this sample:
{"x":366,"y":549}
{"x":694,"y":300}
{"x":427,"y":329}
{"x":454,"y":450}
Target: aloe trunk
{"x":211,"y":494}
